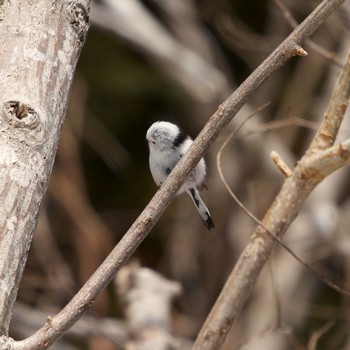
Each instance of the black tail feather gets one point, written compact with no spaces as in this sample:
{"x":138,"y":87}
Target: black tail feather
{"x":201,"y":208}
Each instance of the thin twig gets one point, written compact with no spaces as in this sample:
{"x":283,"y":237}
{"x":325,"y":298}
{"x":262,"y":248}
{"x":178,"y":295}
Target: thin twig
{"x":318,"y":334}
{"x":281,"y":165}
{"x":330,"y":56}
{"x":260,"y":223}
{"x":279,"y":124}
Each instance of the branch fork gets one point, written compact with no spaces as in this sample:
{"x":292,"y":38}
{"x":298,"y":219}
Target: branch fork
{"x":318,"y":162}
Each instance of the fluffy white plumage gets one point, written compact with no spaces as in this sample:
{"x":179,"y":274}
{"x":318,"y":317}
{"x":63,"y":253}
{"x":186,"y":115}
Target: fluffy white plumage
{"x":167,"y":143}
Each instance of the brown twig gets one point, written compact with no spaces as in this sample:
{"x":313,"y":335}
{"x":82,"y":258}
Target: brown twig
{"x":318,"y":334}
{"x":315,"y":47}
{"x":281,"y":165}
{"x":148,"y":218}
{"x":333,"y":117}
{"x":279,"y":124}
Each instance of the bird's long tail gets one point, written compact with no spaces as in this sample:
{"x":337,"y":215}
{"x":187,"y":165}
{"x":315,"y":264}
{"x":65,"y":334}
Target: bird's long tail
{"x":201,"y":207}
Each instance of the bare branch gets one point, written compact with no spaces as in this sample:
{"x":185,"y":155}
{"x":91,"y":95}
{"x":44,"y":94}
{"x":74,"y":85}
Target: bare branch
{"x":281,"y":165}
{"x":334,"y":115}
{"x":309,"y":172}
{"x":26,"y":320}
{"x":315,"y":47}
{"x":318,"y":334}
{"x":327,"y":161}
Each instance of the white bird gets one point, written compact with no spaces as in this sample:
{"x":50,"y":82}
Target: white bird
{"x":167,"y":143}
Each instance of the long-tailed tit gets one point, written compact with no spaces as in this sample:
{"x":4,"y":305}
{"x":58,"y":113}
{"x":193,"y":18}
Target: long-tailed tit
{"x":167,"y":143}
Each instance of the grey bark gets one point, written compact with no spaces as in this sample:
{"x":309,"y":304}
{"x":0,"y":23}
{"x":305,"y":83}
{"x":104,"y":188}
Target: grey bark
{"x":40,"y":43}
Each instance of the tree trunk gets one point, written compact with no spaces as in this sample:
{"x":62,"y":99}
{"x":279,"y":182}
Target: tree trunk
{"x":40,"y":43}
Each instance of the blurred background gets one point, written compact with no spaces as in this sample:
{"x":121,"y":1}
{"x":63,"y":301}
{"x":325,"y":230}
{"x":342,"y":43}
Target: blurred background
{"x":150,"y":60}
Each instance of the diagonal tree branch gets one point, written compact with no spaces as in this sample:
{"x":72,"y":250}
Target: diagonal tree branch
{"x":333,"y":117}
{"x":56,"y":326}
